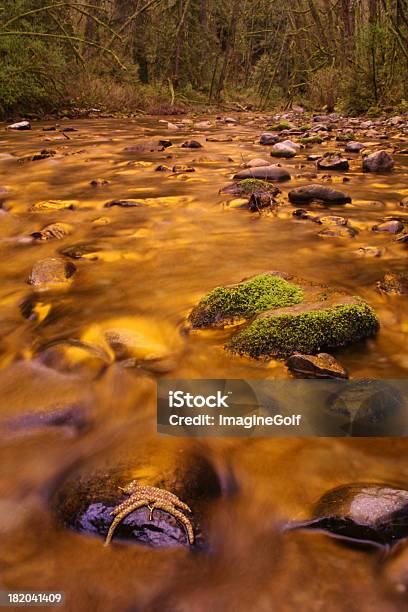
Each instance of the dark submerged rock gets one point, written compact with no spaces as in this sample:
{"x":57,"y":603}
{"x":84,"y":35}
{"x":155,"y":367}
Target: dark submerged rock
{"x":268,"y":139}
{"x":394,"y":284}
{"x":125,"y":204}
{"x":338,"y":232}
{"x":55,"y":231}
{"x":364,"y":513}
{"x":264,"y":173}
{"x":191,"y":144}
{"x":394,"y":226}
{"x":332,"y":162}
{"x":321,"y":193}
{"x":85,"y":501}
{"x":321,"y":365}
{"x":51,"y":272}
{"x":366,"y":408}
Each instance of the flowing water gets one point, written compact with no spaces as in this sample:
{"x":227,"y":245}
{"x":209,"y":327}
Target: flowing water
{"x":150,"y":265}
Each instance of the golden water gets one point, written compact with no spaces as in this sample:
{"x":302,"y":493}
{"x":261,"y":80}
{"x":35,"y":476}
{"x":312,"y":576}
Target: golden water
{"x":153,"y":264}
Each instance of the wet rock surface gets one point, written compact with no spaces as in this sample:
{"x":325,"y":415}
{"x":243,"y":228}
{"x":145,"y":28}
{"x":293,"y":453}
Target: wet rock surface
{"x":332,"y":161}
{"x":264,"y":173}
{"x":317,"y":366}
{"x":394,"y":284}
{"x":320,"y":193}
{"x":52,"y":272}
{"x":365,"y":513}
{"x":381,"y":161}
{"x":85,"y":502}
{"x":285,"y":315}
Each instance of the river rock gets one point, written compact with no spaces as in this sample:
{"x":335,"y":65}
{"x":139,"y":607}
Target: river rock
{"x":370,"y":251}
{"x":333,"y":220}
{"x":281,"y":150}
{"x":145,"y":147}
{"x":394,"y":283}
{"x":86,"y":499}
{"x":332,"y":162}
{"x":366,"y":513}
{"x":404,"y":202}
{"x":247,"y":187}
{"x":320,"y":193}
{"x":337,"y":232}
{"x":99,"y":182}
{"x":51,"y":273}
{"x":265,"y":173}
{"x":20,"y":126}
{"x":285,"y":315}
{"x":136,"y":342}
{"x":48,"y":205}
{"x":125,"y":204}
{"x":321,"y":365}
{"x":268,"y":139}
{"x":259,"y":200}
{"x":53,"y":231}
{"x":354,"y":146}
{"x":256,"y":163}
{"x":381,"y":161}
{"x":181,"y":168}
{"x":392,"y":227}
{"x":191,"y":144}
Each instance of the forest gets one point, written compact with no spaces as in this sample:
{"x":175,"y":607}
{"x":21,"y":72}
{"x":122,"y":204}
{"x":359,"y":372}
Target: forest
{"x":129,"y":56}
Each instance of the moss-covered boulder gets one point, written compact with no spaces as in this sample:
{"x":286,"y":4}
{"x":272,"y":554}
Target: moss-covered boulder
{"x":232,"y":303}
{"x":281,"y":315}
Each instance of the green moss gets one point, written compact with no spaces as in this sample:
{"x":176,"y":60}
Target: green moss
{"x":245,"y":299}
{"x":312,"y":140}
{"x":305,"y":128}
{"x":309,"y":332}
{"x":278,"y":127}
{"x":249,"y":186}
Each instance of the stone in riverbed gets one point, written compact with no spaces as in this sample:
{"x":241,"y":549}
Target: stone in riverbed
{"x":366,"y":513}
{"x":354,"y":147}
{"x":333,"y":220}
{"x":404,"y":202}
{"x":247,"y":187}
{"x":381,"y":161}
{"x":145,"y":147}
{"x":282,"y":150}
{"x":51,"y":273}
{"x":285,"y":315}
{"x":370,"y":251}
{"x":85,"y":500}
{"x":55,"y":231}
{"x":20,"y":126}
{"x":338,"y":232}
{"x":394,"y":284}
{"x":268,"y":139}
{"x":265,"y":173}
{"x":136,"y":342}
{"x":320,"y":193}
{"x":259,"y":200}
{"x":332,"y":162}
{"x":394,"y":226}
{"x":322,"y":365}
{"x":125,"y":204}
{"x":255,"y":163}
{"x":54,"y":205}
{"x":191,"y":144}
